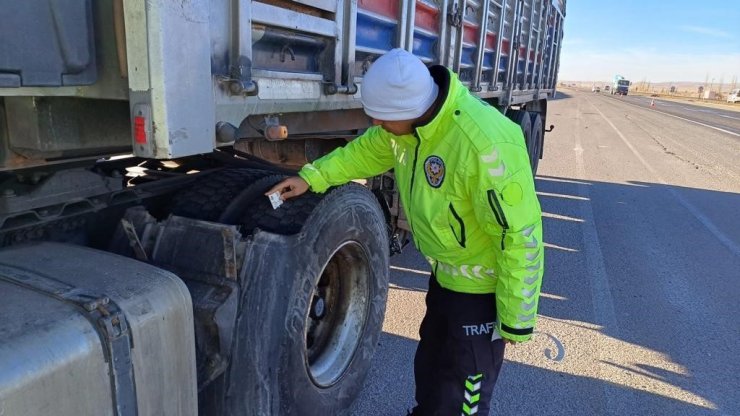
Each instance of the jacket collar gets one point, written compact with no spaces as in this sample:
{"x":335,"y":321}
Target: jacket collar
{"x":449,"y":89}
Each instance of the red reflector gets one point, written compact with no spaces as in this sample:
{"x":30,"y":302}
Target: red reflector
{"x":139,"y":130}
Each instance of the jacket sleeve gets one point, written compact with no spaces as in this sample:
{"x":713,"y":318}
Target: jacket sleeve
{"x":366,"y":156}
{"x":507,"y":208}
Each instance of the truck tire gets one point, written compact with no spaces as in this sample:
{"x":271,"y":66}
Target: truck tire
{"x":210,"y":195}
{"x":524,"y":120}
{"x":242,"y":203}
{"x":288,"y":219}
{"x":307,"y":331}
{"x":535,"y":153}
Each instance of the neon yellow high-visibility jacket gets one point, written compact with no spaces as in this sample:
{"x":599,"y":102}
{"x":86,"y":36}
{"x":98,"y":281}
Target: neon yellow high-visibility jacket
{"x":466,"y":185}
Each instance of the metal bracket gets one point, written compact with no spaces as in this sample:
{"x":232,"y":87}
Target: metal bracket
{"x":331,"y":88}
{"x":455,"y":16}
{"x":118,"y":343}
{"x":396,"y":247}
{"x":240,"y":87}
{"x":287,"y":49}
{"x":236,"y":83}
{"x":366,"y":64}
{"x":133,"y":239}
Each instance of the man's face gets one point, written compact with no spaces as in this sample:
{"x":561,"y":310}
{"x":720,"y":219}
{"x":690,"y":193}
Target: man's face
{"x":397,"y":127}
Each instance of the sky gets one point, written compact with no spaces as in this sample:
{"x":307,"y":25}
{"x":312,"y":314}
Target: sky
{"x":651,"y":40}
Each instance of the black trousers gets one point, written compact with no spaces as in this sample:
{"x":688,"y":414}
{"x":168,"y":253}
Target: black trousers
{"x":456,"y":364}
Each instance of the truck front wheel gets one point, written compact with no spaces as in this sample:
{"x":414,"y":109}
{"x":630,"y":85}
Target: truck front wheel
{"x":313,"y":310}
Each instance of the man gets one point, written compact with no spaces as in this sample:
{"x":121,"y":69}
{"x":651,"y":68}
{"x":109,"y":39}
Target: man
{"x":466,"y":185}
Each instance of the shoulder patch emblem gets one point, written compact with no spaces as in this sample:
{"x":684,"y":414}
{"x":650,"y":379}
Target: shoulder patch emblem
{"x":434,"y":169}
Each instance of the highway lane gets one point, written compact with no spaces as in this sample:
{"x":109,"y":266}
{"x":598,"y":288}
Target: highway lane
{"x":639,"y":311}
{"x":725,"y":119}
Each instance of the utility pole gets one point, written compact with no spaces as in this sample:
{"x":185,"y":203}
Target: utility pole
{"x":706,"y":83}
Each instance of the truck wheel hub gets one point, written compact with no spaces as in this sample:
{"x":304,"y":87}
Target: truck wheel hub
{"x":337,"y":314}
{"x":318,"y":308}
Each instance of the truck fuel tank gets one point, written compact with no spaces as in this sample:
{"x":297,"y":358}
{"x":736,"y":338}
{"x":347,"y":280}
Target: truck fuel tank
{"x":85,"y":332}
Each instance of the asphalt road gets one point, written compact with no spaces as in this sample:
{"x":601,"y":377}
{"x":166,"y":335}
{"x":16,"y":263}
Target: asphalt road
{"x":723,"y":120}
{"x":641,"y":298}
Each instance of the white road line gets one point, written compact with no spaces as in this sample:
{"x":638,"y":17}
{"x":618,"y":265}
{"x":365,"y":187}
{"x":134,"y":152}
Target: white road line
{"x":557,"y":247}
{"x":601,"y":295}
{"x":576,"y":197}
{"x":560,"y":217}
{"x":697,"y":110}
{"x":563,"y":180}
{"x":708,"y":224}
{"x":551,"y":296}
{"x":681,"y":118}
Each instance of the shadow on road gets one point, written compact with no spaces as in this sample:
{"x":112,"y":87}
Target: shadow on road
{"x":650,"y":258}
{"x":560,"y":95}
{"x":389,"y":389}
{"x":648,"y":264}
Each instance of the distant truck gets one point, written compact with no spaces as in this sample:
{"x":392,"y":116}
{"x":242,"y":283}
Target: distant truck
{"x":734,"y":96}
{"x":620,"y":85}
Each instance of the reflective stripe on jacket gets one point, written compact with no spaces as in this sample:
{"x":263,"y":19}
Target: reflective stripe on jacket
{"x":467,"y":189}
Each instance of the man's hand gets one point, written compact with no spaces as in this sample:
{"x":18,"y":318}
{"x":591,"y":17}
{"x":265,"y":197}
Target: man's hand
{"x":289,"y":188}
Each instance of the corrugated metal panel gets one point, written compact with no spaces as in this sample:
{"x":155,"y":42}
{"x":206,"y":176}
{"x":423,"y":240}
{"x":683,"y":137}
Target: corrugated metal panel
{"x":386,"y":8}
{"x":427,"y":22}
{"x":374,"y":32}
{"x":307,"y":55}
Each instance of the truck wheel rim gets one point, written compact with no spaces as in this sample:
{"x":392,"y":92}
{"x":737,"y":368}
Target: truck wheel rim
{"x":338,"y":310}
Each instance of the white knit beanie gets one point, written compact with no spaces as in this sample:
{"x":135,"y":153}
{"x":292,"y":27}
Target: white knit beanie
{"x":398,"y":87}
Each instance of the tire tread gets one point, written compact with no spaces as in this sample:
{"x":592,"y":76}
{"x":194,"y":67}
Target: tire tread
{"x":209,"y":196}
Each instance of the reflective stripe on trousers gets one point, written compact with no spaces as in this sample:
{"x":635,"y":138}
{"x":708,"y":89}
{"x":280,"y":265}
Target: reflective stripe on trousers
{"x":456,"y":364}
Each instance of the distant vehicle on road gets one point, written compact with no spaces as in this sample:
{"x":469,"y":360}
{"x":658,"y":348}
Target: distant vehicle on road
{"x":606,"y":88}
{"x":620,"y":85}
{"x":734,"y":96}
{"x":595,"y":89}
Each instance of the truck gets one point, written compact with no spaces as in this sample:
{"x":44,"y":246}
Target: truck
{"x":620,"y":85}
{"x":733,"y":96}
{"x":142,"y":270}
